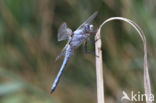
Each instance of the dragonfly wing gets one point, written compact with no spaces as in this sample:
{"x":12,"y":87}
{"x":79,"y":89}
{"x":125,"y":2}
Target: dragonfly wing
{"x":88,"y":21}
{"x":64,"y":32}
{"x":62,"y":52}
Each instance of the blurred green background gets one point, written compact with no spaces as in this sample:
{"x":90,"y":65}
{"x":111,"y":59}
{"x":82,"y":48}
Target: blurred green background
{"x":29,"y":46}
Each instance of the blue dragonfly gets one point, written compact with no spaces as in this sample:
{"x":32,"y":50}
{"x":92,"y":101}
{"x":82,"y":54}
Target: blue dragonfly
{"x":75,"y":39}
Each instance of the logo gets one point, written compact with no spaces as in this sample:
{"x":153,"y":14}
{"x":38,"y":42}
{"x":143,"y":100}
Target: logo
{"x":137,"y":97}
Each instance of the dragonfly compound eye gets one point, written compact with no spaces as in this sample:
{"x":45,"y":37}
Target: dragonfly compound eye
{"x":91,"y":27}
{"x":87,"y":28}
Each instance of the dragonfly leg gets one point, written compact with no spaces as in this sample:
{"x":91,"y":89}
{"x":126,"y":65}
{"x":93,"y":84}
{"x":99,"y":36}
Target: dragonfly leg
{"x":92,"y":41}
{"x":97,"y":39}
{"x":86,"y":50}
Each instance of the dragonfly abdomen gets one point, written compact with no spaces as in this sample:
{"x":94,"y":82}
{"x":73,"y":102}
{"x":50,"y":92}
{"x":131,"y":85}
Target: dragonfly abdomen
{"x":68,"y":53}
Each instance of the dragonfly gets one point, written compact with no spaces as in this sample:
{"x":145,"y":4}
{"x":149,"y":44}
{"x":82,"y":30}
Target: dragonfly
{"x":75,"y":39}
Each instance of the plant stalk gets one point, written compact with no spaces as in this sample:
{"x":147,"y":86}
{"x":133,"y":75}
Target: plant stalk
{"x":99,"y":69}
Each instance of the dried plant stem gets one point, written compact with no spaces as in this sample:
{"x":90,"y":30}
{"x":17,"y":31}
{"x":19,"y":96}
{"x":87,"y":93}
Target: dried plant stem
{"x":99,"y":70}
{"x":99,"y":65}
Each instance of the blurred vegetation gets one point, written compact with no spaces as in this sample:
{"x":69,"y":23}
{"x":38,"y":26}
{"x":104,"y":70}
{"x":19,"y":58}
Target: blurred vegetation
{"x":28,"y":48}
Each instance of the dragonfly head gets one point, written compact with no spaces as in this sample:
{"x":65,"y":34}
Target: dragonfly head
{"x":88,"y":28}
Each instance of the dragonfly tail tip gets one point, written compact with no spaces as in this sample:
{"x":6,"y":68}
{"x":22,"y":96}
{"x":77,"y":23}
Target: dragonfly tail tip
{"x":52,"y":90}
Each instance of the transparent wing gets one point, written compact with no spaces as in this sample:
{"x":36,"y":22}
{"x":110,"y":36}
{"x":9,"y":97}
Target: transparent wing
{"x":62,"y":53}
{"x":88,"y":21}
{"x":64,"y":32}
